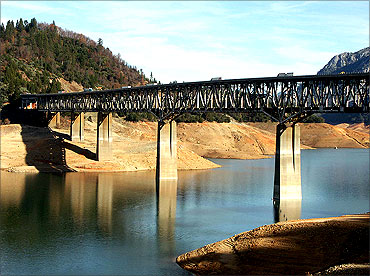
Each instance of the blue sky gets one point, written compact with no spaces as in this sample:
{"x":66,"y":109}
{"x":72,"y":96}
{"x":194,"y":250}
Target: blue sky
{"x":194,"y":40}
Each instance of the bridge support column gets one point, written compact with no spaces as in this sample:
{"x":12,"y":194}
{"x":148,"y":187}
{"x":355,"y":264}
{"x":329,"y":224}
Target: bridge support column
{"x":77,"y":126}
{"x":104,"y":137}
{"x":287,"y":183}
{"x":166,"y":151}
{"x":287,"y":209}
{"x":54,"y":119}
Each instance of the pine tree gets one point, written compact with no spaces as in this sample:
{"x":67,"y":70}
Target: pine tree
{"x":2,"y":30}
{"x":20,"y":25}
{"x":9,"y":31}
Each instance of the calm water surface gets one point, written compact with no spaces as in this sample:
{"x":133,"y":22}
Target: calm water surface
{"x":116,"y":223}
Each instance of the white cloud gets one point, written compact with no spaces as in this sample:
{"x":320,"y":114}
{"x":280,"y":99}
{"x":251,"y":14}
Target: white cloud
{"x":302,"y":54}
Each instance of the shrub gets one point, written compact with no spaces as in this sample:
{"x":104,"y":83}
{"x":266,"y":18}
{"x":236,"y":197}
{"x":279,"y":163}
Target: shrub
{"x":200,"y":118}
{"x":314,"y":119}
{"x":139,"y":116}
{"x":250,"y":117}
{"x":216,"y":117}
{"x":189,"y":118}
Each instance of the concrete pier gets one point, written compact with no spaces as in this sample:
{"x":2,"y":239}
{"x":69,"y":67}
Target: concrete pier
{"x":77,"y":126}
{"x":104,"y":137}
{"x":287,"y":209}
{"x":287,"y":182}
{"x":54,"y":119}
{"x":166,"y":168}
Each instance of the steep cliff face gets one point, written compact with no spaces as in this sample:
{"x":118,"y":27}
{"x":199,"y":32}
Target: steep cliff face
{"x":348,"y":62}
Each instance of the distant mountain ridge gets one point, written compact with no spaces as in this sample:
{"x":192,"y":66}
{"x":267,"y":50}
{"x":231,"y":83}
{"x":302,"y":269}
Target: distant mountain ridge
{"x":357,"y":62}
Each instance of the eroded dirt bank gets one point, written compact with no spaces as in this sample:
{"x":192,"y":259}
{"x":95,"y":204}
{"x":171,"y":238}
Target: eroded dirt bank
{"x":31,"y":149}
{"x":293,"y":247}
{"x":322,"y":135}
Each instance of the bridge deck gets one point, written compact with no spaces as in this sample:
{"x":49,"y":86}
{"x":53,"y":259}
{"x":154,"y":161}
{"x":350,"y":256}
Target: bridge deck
{"x":277,"y":96}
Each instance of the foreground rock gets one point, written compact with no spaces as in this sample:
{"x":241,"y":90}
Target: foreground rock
{"x":293,"y":247}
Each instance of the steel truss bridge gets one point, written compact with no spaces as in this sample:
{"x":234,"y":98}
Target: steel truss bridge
{"x":282,"y":98}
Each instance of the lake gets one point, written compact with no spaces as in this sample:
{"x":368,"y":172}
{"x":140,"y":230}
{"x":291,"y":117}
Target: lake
{"x":116,"y":223}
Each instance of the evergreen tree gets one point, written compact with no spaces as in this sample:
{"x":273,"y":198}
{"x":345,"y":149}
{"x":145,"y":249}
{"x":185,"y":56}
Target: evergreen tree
{"x":2,"y":28}
{"x":20,"y":25}
{"x":9,"y":31}
{"x":33,"y":23}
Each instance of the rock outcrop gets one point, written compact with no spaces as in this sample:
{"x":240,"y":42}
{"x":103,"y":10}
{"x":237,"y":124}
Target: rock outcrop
{"x":357,"y":62}
{"x":286,"y":248}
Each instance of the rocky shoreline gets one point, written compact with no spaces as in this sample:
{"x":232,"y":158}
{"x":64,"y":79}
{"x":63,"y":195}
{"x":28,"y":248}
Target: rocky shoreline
{"x":323,"y":246}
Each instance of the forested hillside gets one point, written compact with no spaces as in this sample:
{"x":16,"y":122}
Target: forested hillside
{"x":40,"y":57}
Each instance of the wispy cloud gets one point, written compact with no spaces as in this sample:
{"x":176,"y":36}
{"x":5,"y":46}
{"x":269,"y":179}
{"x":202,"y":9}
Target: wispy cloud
{"x":34,"y":7}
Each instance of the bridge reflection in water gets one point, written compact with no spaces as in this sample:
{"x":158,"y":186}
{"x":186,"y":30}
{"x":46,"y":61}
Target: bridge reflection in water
{"x":88,"y":198}
{"x":118,"y":223}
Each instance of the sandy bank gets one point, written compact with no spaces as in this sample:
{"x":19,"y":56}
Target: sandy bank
{"x":322,"y":135}
{"x":32,"y":149}
{"x":293,"y":247}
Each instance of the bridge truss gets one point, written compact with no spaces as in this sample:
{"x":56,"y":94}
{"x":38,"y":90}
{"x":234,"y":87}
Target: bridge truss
{"x":282,"y":98}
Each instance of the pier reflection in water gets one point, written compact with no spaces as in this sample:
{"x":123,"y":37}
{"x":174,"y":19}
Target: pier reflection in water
{"x":104,"y":195}
{"x":118,"y":223}
{"x":166,"y":194}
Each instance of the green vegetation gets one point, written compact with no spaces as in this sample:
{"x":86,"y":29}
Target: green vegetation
{"x":314,"y":119}
{"x":250,"y":117}
{"x":34,"y":56}
{"x":349,"y":118}
{"x":201,"y":117}
{"x":139,"y":116}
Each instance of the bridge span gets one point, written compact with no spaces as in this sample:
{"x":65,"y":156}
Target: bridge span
{"x":286,"y":100}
